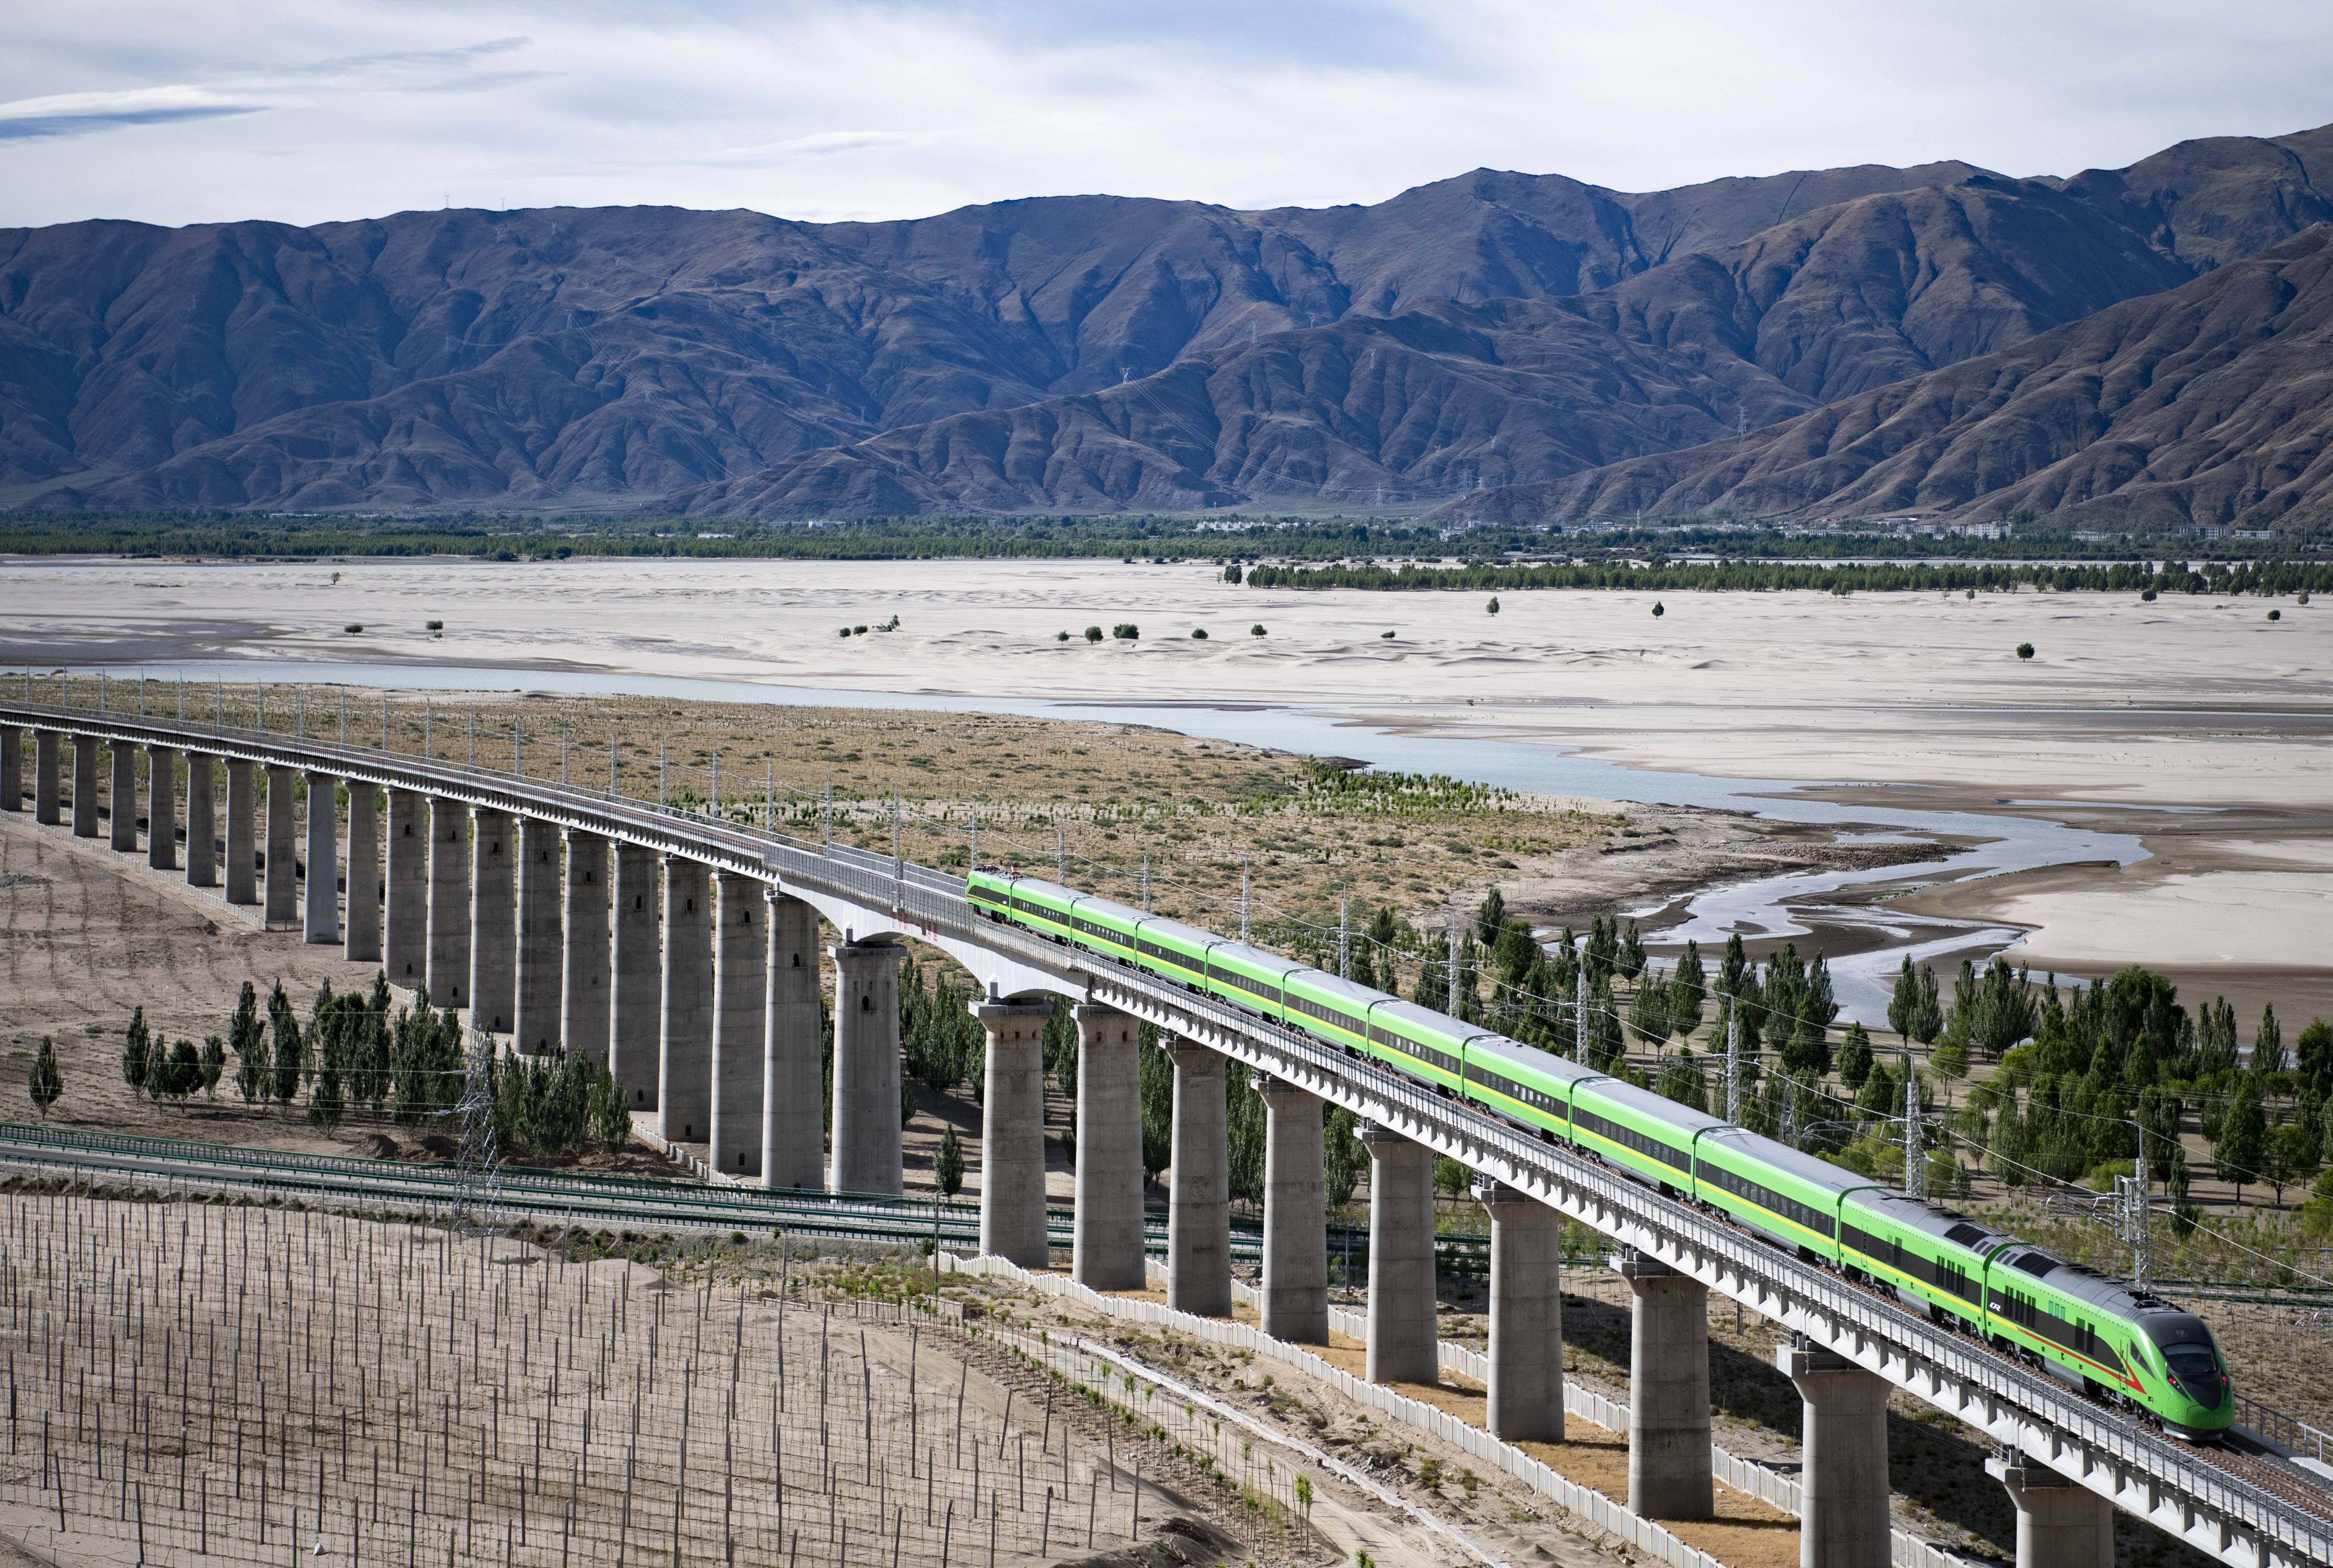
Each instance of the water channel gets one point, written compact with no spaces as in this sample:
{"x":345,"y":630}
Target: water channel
{"x":1772,"y":907}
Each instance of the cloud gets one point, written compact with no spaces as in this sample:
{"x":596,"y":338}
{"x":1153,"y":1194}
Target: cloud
{"x":79,"y":113}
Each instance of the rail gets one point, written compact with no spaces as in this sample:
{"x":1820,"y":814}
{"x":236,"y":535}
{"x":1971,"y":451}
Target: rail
{"x":2240,"y":1518}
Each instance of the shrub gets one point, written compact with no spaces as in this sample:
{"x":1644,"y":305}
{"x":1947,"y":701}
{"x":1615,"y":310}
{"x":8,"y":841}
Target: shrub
{"x":1199,"y":633}
{"x":1060,"y":637}
{"x":1232,"y":572}
{"x":353,"y":627}
{"x":1493,"y":607}
{"x":1093,"y":633}
{"x":858,"y":631}
{"x":1385,"y":634}
{"x":2147,"y":596}
{"x":1659,"y":609}
{"x":437,"y":625}
{"x":844,"y":632}
{"x":1126,"y":632}
{"x":2301,"y":598}
{"x":2025,"y":650}
{"x":2276,"y":615}
{"x":1256,"y":630}
{"x":1971,"y":594}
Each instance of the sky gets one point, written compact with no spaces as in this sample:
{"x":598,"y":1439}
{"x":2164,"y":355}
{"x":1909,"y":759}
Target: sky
{"x":198,"y":111}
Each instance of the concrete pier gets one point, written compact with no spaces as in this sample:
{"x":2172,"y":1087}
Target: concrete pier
{"x":494,"y":924}
{"x":241,"y":811}
{"x":741,"y":957}
{"x":540,"y":953}
{"x":84,"y":794}
{"x":865,"y":1157}
{"x":583,"y":947}
{"x":1107,"y":1253}
{"x":202,"y":821}
{"x":2060,"y":1524}
{"x":449,"y":905}
{"x":1526,"y":1393}
{"x":1668,"y":1393}
{"x":281,"y":904}
{"x":363,"y":874}
{"x":122,"y":810}
{"x":1012,"y":1132}
{"x":636,"y":975}
{"x":44,"y":778}
{"x":12,"y":769}
{"x":1198,"y":1198}
{"x":684,"y":1011}
{"x":1843,"y":1469}
{"x":321,"y":915}
{"x":1295,"y":1301}
{"x":793,"y":1124}
{"x":161,"y":808}
{"x":405,"y":912}
{"x":1402,"y":1336}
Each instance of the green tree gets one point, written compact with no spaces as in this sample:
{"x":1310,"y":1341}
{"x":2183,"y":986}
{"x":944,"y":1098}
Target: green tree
{"x":247,"y":1037}
{"x":1904,"y":1001}
{"x":291,"y":1051}
{"x":1157,"y":1076}
{"x":1689,"y":993}
{"x":2268,"y":1045}
{"x":47,"y":1084}
{"x":326,"y":1103}
{"x":2291,"y":1157}
{"x":160,"y":1082}
{"x":137,"y":1050}
{"x":1648,"y":1009}
{"x":2313,"y":1052}
{"x":1854,"y":1057}
{"x":211,"y":1065}
{"x":1630,"y":961}
{"x":1243,"y":1128}
{"x":948,"y":1165}
{"x":186,"y":1070}
{"x":1345,"y":1157}
{"x":2242,"y":1147}
{"x":1491,"y":918}
{"x":1682,"y":1079}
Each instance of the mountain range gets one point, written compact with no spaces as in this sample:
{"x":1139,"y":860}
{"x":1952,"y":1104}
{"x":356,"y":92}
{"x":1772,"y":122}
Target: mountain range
{"x":1500,"y":344}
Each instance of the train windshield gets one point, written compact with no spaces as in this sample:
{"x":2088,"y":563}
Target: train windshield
{"x":2188,"y":1348}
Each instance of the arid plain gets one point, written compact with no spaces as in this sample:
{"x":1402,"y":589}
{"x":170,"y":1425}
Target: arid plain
{"x":2197,"y":724}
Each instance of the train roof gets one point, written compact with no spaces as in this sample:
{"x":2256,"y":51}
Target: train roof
{"x":1499,"y":1048}
{"x":1686,"y":1121}
{"x":1254,"y":957}
{"x":1913,"y":1215}
{"x":1745,"y":1144}
{"x":1424,"y":1021}
{"x":1321,"y":983}
{"x":1158,"y":928}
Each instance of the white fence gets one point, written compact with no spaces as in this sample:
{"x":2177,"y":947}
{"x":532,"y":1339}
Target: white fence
{"x":1767,"y":1484}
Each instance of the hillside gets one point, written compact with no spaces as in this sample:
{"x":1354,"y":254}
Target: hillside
{"x":2210,"y":403}
{"x":618,"y":357}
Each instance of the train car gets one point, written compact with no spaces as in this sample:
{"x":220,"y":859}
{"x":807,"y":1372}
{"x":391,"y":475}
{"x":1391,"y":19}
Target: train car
{"x":2099,"y":1335}
{"x":1933,"y":1262}
{"x":1251,"y":978}
{"x":1333,"y":1009}
{"x":1174,"y":949}
{"x":1424,"y":1044}
{"x":1638,"y":1130}
{"x":1523,"y":1085}
{"x":1041,"y":906}
{"x":1792,"y":1198}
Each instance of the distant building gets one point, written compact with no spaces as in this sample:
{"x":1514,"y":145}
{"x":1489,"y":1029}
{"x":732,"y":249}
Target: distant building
{"x":1982,"y":529}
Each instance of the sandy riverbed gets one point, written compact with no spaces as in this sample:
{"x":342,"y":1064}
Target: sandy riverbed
{"x":2129,"y":708}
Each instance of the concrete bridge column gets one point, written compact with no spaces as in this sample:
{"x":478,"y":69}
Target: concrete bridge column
{"x":494,"y":922}
{"x":323,"y":921}
{"x":1403,"y":1342}
{"x":161,"y":808}
{"x":2060,"y":1524}
{"x":449,"y":905}
{"x":1013,"y":1133}
{"x":865,"y":1156}
{"x":684,"y":1033}
{"x":793,"y":1127}
{"x":1109,"y":1251}
{"x":1526,"y":1401}
{"x":365,"y":906}
{"x":1198,"y":1202}
{"x":635,"y":975}
{"x":12,"y":769}
{"x":123,"y":807}
{"x":406,"y":902}
{"x":242,"y":856}
{"x":1295,"y":1215}
{"x":583,"y":947}
{"x":740,"y":994}
{"x":202,"y":822}
{"x":283,"y":868}
{"x":44,"y":778}
{"x":84,"y":800}
{"x":1668,"y":1393}
{"x":1843,"y":1475}
{"x":539,"y":954}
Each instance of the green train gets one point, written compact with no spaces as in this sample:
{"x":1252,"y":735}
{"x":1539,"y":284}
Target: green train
{"x":2094,"y":1334}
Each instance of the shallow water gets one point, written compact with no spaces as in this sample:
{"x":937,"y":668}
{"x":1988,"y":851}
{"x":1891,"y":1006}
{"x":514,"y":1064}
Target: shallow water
{"x":1757,"y":908}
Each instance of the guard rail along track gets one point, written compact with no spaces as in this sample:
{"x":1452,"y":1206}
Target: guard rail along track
{"x":2241,"y":1510}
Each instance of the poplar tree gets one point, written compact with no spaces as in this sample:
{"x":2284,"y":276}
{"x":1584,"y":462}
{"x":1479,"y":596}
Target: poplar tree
{"x":1689,"y":993}
{"x":246,"y":1036}
{"x":291,"y":1049}
{"x":2241,"y":1146}
{"x":137,"y":1050}
{"x":1648,"y":1009}
{"x":948,"y":1165}
{"x":47,"y":1084}
{"x":211,"y":1065}
{"x":2268,"y":1046}
{"x":1343,"y":1154}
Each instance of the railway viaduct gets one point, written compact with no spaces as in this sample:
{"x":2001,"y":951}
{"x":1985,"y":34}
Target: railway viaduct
{"x":688,"y":949}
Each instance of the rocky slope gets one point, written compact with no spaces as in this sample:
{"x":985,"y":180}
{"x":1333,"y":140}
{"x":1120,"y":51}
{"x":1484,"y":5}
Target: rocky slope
{"x":735,"y":361}
{"x":2213,"y":402}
